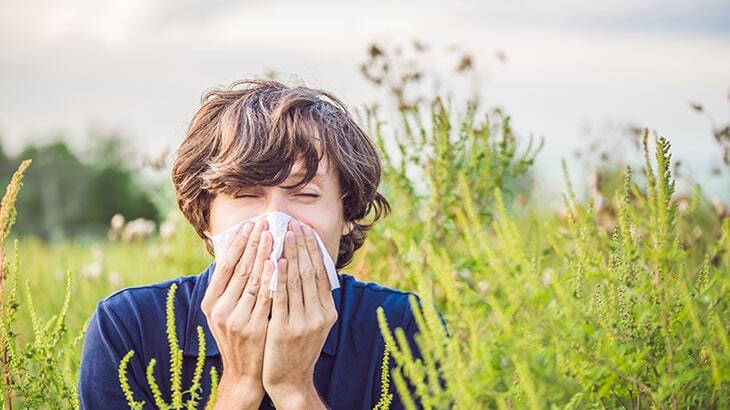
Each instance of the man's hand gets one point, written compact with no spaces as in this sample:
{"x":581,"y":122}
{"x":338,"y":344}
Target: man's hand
{"x":302,"y":313}
{"x":237,"y":306}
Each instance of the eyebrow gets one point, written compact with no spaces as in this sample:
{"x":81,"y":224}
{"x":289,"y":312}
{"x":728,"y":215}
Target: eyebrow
{"x":302,"y":173}
{"x":317,"y":177}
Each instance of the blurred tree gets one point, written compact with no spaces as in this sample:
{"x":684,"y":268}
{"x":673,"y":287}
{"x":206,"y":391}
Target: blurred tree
{"x":68,"y":195}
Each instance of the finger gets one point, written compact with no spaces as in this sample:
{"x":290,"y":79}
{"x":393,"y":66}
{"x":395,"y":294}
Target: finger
{"x":224,"y":270}
{"x":293,"y":281}
{"x":248,"y":259}
{"x":252,"y":289}
{"x":262,"y":308}
{"x":324,"y":288}
{"x":242,"y":270}
{"x":306,"y":271}
{"x":280,"y":304}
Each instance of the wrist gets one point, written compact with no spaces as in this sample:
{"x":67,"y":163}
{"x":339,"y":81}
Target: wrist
{"x":298,"y":397}
{"x":239,"y":394}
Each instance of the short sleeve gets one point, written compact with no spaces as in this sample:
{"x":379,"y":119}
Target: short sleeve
{"x":410,"y":328}
{"x":105,"y":343}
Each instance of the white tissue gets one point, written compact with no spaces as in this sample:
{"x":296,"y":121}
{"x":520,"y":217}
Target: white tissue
{"x":278,"y":224}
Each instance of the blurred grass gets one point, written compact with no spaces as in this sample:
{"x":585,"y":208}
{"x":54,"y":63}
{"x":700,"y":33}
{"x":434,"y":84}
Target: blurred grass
{"x":123,"y":265}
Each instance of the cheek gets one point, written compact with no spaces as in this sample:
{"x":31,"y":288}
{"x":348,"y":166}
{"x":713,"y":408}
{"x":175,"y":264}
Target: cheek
{"x":226,"y":214}
{"x":329,"y":231}
{"x":320,"y":218}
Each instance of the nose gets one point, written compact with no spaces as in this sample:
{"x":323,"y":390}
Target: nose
{"x":278,"y":201}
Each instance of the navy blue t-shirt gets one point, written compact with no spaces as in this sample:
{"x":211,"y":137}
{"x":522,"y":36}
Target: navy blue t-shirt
{"x":346,"y":375}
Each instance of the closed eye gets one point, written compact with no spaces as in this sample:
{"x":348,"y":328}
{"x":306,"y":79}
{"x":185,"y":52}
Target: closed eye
{"x":254,"y":196}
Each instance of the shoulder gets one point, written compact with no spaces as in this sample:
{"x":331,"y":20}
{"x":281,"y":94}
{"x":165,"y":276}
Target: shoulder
{"x":132,"y":319}
{"x":361,"y":299}
{"x":148,"y":296}
{"x":137,"y":313}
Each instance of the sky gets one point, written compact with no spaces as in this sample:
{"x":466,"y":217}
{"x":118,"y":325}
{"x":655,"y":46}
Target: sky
{"x":574,"y":72}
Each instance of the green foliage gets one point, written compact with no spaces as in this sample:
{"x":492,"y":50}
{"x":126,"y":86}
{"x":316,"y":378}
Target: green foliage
{"x":175,"y":369}
{"x":386,"y":398}
{"x":124,"y":382}
{"x":430,"y":163}
{"x":42,"y":372}
{"x":588,"y":308}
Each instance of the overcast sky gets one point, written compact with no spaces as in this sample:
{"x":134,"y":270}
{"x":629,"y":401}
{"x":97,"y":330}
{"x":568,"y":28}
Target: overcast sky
{"x":573,"y":68}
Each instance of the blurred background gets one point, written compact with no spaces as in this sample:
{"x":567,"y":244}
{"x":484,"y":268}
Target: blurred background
{"x":99,"y":93}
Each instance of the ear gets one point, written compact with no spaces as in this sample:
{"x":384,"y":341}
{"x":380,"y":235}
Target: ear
{"x":347,"y":228}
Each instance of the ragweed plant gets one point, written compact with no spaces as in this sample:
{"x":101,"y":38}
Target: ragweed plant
{"x":426,"y":168}
{"x":386,"y":398}
{"x":176,"y":402}
{"x":557,"y":312}
{"x":39,"y":373}
{"x":43,"y":372}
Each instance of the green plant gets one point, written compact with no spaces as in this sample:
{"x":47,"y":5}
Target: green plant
{"x":175,"y":369}
{"x":41,"y":372}
{"x":386,"y":397}
{"x":558,"y":312}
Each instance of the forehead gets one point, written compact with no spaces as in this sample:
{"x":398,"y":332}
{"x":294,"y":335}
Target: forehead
{"x":324,"y":170}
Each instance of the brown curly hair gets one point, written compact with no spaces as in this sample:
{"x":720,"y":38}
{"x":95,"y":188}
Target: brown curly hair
{"x":252,"y":133}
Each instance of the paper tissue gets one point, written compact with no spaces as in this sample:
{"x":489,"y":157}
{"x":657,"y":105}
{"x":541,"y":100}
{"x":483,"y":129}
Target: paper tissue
{"x":278,"y":225}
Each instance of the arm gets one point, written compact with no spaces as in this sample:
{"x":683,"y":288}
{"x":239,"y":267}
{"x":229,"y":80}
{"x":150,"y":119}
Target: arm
{"x":105,"y":343}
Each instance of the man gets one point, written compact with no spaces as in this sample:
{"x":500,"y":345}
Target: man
{"x":248,"y":151}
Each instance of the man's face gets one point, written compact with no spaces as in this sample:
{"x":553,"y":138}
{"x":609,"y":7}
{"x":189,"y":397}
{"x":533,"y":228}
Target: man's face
{"x":317,"y":204}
